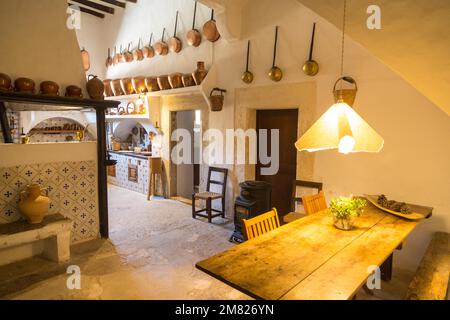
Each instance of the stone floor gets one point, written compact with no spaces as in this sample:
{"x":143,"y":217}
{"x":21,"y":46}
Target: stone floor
{"x":151,"y":255}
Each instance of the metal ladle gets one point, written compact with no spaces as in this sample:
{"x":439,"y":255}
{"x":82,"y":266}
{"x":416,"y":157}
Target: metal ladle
{"x":275,"y":73}
{"x":311,"y":67}
{"x":247,"y":76}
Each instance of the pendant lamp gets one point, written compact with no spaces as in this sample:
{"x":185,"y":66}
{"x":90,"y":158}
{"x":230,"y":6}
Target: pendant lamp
{"x":340,"y":127}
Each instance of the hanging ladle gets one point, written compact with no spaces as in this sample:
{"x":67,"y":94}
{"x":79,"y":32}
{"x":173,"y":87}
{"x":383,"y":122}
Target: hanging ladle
{"x":275,"y":73}
{"x":247,"y":76}
{"x":311,"y":67}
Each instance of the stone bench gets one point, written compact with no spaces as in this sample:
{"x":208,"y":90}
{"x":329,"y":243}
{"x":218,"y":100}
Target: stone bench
{"x":431,"y":279}
{"x":21,"y":240}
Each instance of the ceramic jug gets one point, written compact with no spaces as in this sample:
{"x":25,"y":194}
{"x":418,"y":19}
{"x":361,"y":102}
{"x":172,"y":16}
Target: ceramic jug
{"x":33,"y":204}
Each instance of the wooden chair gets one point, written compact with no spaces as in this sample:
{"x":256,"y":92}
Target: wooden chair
{"x":299,"y":200}
{"x":261,"y":224}
{"x":315,"y":203}
{"x":209,"y":196}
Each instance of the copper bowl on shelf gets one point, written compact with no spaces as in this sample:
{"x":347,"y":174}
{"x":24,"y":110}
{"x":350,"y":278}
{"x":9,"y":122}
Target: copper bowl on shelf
{"x":139,"y":84}
{"x":5,"y":82}
{"x":175,"y":80}
{"x":152,"y":84}
{"x":127,"y":86}
{"x":163,"y":82}
{"x":188,"y":80}
{"x":108,"y":89}
{"x":24,"y":85}
{"x":49,"y":88}
{"x":74,"y":92}
{"x":116,"y":88}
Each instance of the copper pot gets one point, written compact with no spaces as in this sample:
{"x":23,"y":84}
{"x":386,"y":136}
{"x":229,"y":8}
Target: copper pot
{"x":163,"y":82}
{"x":5,"y":82}
{"x":24,"y":85}
{"x":210,"y":29}
{"x":116,"y":88}
{"x":108,"y":89}
{"x":152,"y":84}
{"x":148,"y":51}
{"x":127,"y":86}
{"x":138,"y":54}
{"x":194,"y":37}
{"x":200,"y":74}
{"x":139,"y":85}
{"x":109,"y":59}
{"x":161,"y":48}
{"x":128,"y":55}
{"x":188,"y":80}
{"x":175,"y":80}
{"x":49,"y":88}
{"x":175,"y":44}
{"x":95,"y":88}
{"x":117,"y":58}
{"x":74,"y":92}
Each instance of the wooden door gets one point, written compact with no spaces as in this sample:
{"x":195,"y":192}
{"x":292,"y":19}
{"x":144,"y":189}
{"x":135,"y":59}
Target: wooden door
{"x":286,"y":121}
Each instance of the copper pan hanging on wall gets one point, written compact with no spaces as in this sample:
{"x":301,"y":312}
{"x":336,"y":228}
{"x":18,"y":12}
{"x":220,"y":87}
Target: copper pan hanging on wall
{"x":138,"y":54}
{"x":109,"y":59}
{"x":149,"y":51}
{"x":210,"y":29}
{"x":128,"y":55}
{"x":194,"y":37}
{"x":161,"y":48}
{"x":175,"y":44}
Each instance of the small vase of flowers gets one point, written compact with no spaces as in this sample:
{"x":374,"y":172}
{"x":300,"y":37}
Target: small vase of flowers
{"x":345,"y":210}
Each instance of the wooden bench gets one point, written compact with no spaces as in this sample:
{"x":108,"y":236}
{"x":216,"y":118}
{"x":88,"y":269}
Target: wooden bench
{"x":21,"y":240}
{"x":431,"y":279}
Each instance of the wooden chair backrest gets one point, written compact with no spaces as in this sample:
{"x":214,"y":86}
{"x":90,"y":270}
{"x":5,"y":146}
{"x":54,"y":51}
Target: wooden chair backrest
{"x":223,"y":183}
{"x":303,"y":184}
{"x":261,"y":224}
{"x":314,"y":203}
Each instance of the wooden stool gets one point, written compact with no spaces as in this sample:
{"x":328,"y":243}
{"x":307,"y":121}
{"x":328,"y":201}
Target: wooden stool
{"x":155,"y":170}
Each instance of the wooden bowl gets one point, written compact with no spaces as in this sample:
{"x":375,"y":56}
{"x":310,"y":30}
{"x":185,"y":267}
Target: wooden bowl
{"x":163,"y":82}
{"x":152,"y":84}
{"x":175,"y":80}
{"x":127,"y":86}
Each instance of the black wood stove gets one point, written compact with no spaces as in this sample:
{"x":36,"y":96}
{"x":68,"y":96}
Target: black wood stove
{"x":255,"y":199}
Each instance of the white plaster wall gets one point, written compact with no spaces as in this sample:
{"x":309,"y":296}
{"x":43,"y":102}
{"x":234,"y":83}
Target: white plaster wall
{"x":413,"y":166}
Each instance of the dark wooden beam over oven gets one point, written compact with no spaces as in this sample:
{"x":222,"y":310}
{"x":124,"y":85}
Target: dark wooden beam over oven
{"x":95,"y":5}
{"x":115,"y":3}
{"x":89,"y":11}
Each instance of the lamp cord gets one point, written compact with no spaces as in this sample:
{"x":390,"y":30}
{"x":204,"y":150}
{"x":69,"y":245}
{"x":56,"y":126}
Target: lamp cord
{"x":343,"y":39}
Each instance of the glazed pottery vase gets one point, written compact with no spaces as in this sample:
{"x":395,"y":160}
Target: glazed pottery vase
{"x":74,"y":92}
{"x":5,"y":82}
{"x":49,"y":88}
{"x":24,"y":85}
{"x":33,"y":204}
{"x":95,"y":88}
{"x":200,"y":74}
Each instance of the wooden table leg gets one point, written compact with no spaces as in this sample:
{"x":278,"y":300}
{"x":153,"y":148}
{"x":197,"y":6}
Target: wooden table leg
{"x":386,"y":268}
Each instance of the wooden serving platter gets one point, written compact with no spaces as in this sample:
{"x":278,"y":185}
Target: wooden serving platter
{"x":418,"y":212}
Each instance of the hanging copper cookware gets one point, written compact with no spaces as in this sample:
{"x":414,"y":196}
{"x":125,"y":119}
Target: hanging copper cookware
{"x":120,"y":56}
{"x":139,"y":84}
{"x":86,"y":60}
{"x":311,"y":67}
{"x":152,"y":84}
{"x":109,"y":59}
{"x":275,"y":74}
{"x":128,"y":55}
{"x":175,"y":44}
{"x":210,"y":29}
{"x":116,"y":87}
{"x":138,"y":54}
{"x":116,"y":57}
{"x":148,"y":51}
{"x":247,"y":76}
{"x":161,"y":48}
{"x":127,"y":86}
{"x":194,"y":37}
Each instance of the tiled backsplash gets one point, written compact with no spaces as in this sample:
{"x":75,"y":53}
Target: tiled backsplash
{"x":72,"y":188}
{"x":121,"y":178}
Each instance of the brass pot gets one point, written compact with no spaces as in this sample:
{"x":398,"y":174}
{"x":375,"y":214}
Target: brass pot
{"x":188,"y":80}
{"x":5,"y":82}
{"x":24,"y":85}
{"x":163,"y":82}
{"x":116,"y":88}
{"x":95,"y":88}
{"x":108,"y":89}
{"x":175,"y":80}
{"x":74,"y":92}
{"x":200,"y":74}
{"x":152,"y":84}
{"x":49,"y":88}
{"x":139,"y":84}
{"x":127,"y":86}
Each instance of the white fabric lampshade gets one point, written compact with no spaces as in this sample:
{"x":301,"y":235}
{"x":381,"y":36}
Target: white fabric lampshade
{"x":340,"y":128}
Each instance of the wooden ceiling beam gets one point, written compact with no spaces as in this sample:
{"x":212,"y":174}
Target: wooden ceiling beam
{"x":115,"y":3}
{"x":91,"y":12}
{"x":95,"y":5}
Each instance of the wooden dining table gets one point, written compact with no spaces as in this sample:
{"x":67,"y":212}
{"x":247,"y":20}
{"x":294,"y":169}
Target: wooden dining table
{"x":310,"y":259}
